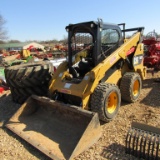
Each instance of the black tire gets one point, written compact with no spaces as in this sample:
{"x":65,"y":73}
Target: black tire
{"x":130,"y":86}
{"x":29,"y":75}
{"x":106,"y":100}
{"x":20,"y":95}
{"x":17,"y":97}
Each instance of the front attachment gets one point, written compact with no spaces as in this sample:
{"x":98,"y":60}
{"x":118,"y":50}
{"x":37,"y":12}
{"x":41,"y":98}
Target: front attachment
{"x":60,"y":131}
{"x":143,"y":141}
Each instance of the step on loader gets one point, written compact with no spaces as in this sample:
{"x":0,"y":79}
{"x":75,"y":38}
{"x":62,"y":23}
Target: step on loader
{"x":102,"y":67}
{"x":143,"y":141}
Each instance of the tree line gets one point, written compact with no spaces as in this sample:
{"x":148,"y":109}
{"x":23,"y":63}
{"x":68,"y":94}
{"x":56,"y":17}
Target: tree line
{"x":4,"y":36}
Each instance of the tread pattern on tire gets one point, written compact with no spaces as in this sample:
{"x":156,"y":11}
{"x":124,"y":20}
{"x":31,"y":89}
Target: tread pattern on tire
{"x":28,"y":75}
{"x":98,"y":99}
{"x":126,"y":86}
{"x":27,"y":79}
{"x":20,"y":95}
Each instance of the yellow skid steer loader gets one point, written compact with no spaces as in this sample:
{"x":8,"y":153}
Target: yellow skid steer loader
{"x":101,"y":68}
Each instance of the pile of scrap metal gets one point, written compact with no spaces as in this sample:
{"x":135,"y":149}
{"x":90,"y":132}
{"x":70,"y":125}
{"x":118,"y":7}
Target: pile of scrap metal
{"x":15,"y":59}
{"x":61,"y":47}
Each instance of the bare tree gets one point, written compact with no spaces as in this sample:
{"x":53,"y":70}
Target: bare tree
{"x":64,"y":40}
{"x":14,"y":41}
{"x":3,"y":32}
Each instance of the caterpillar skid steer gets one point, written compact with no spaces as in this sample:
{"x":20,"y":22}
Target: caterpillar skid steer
{"x":101,"y":68}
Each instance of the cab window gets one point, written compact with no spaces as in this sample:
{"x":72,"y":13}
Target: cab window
{"x":109,"y":36}
{"x":109,"y":39}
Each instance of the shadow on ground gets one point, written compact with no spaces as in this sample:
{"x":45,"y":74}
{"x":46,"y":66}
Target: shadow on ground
{"x":7,"y":109}
{"x":116,"y":152}
{"x":28,"y":147}
{"x":152,"y":98}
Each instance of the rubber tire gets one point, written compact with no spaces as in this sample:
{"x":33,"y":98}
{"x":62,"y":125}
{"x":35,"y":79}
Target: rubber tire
{"x":29,"y":74}
{"x":99,"y":99}
{"x":126,"y":86}
{"x":20,"y":95}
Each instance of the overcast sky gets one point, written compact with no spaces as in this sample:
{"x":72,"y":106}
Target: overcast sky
{"x":47,"y":19}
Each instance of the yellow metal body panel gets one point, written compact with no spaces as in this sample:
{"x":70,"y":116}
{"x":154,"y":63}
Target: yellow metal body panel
{"x":140,"y":68}
{"x":115,"y":77}
{"x":59,"y":84}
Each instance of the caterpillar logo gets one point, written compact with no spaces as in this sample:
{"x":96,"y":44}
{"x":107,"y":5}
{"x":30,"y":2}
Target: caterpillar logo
{"x":137,"y":60}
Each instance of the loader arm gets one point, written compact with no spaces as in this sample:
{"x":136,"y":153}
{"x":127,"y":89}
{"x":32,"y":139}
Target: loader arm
{"x":99,"y":71}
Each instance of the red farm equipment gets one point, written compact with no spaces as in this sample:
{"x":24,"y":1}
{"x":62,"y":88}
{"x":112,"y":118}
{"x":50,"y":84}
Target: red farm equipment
{"x":152,"y":51}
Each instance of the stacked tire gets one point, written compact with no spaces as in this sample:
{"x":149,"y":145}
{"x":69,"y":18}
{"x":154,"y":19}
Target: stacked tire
{"x":27,"y":79}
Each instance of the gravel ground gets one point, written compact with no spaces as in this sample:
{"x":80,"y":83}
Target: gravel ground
{"x":111,"y":145}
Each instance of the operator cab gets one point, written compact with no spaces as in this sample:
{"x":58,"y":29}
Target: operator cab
{"x":90,"y":43}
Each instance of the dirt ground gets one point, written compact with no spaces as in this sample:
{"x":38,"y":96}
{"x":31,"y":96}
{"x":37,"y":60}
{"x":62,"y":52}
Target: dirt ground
{"x":111,"y":145}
